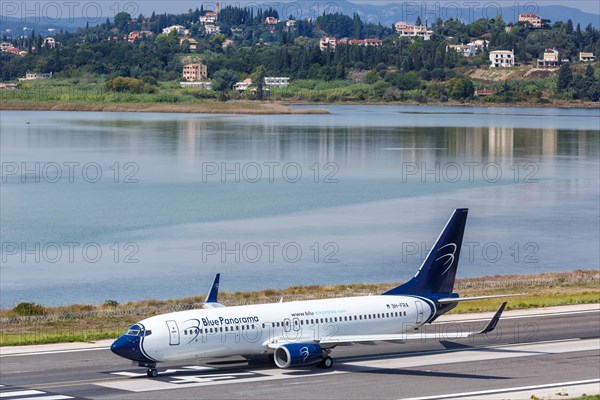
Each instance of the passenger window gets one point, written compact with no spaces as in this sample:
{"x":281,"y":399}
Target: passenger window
{"x":185,"y":332}
{"x":360,"y":317}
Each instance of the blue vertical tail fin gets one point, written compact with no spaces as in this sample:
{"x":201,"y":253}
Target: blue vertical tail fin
{"x":438,"y":271}
{"x":211,"y":298}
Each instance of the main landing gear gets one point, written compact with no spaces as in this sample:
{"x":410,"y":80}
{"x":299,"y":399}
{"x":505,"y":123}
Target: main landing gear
{"x":152,"y":372}
{"x":326,"y":363}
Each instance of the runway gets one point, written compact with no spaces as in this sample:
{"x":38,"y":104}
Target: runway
{"x":554,"y":355}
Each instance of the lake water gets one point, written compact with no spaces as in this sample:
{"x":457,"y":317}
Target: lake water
{"x":127,"y":206}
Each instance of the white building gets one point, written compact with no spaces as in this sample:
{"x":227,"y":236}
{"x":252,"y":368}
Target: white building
{"x":180,"y":29}
{"x":29,"y":76}
{"x":197,"y":85}
{"x":586,"y":57}
{"x":532,"y":19}
{"x":212,"y":29}
{"x":278,"y":82}
{"x":49,"y":42}
{"x":408,"y":30}
{"x":502,"y":58}
{"x":470,"y":49}
{"x":243,"y":85}
{"x":328,"y":43}
{"x":208,"y":18}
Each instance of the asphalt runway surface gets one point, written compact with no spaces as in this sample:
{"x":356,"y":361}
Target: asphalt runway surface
{"x":556,"y":354}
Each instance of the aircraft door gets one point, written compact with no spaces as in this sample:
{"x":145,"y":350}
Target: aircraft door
{"x":419,"y":305}
{"x":173,"y":333}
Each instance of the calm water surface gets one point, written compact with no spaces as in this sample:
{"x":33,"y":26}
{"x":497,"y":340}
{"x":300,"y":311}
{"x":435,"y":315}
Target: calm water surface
{"x":124,"y":206}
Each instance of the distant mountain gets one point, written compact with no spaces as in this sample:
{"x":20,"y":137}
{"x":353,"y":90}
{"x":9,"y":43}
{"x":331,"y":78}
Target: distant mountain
{"x":390,"y":13}
{"x":376,"y":12}
{"x":16,"y":27}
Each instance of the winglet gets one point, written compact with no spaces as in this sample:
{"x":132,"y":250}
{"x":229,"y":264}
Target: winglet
{"x":494,"y":321}
{"x":211,"y":298}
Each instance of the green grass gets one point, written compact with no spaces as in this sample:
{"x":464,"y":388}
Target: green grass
{"x":85,"y":322}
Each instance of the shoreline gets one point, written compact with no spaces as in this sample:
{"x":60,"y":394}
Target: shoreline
{"x":262,"y":108}
{"x":231,"y":107}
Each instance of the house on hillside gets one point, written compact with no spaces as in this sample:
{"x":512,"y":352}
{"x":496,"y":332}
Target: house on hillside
{"x":243,"y":85}
{"x":279,"y":82}
{"x":212,"y":29}
{"x":179,"y":28}
{"x":50,"y":43}
{"x":361,"y":42}
{"x":586,"y":57}
{"x":192,"y":42}
{"x":29,"y":76}
{"x":195,"y":72}
{"x":532,"y":19}
{"x":328,"y":43}
{"x":502,"y":58}
{"x":413,"y":31}
{"x":208,"y":18}
{"x":550,"y":59}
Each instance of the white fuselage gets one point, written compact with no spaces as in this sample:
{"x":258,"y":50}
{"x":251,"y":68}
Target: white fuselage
{"x":246,"y":330}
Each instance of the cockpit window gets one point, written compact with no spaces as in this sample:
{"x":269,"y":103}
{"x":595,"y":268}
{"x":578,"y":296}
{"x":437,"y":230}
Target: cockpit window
{"x":148,"y":333}
{"x":135,"y":330}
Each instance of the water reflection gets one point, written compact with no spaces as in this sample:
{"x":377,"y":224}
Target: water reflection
{"x":394,"y":185}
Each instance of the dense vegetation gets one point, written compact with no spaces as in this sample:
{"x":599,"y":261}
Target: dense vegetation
{"x":400,"y":69}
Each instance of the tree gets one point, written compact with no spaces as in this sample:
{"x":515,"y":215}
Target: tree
{"x":461,"y":88}
{"x":565,"y":77}
{"x":122,"y":19}
{"x":259,"y":79}
{"x":224,"y":80}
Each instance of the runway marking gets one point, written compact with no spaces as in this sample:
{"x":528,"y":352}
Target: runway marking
{"x":505,"y":317}
{"x":209,"y":378}
{"x":11,"y":394}
{"x":505,"y":390}
{"x":445,"y":351}
{"x":41,"y":353}
{"x":20,"y":393}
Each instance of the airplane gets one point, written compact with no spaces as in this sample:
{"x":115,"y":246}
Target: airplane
{"x":304,"y":333}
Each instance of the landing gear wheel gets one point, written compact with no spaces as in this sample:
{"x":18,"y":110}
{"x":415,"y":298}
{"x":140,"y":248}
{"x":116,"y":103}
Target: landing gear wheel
{"x":152,"y":372}
{"x":326,"y":363}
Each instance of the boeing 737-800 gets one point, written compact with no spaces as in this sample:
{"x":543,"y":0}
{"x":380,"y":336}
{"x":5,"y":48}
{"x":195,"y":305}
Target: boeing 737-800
{"x":304,"y":333}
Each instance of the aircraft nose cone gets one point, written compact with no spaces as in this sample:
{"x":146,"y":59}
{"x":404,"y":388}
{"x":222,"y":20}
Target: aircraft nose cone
{"x":127,"y":347}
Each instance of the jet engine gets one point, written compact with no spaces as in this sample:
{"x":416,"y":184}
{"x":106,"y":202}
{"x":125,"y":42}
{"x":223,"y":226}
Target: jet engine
{"x":298,"y":355}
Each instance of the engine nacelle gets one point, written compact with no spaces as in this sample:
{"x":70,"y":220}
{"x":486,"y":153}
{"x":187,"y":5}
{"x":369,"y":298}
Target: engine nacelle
{"x":298,"y":355}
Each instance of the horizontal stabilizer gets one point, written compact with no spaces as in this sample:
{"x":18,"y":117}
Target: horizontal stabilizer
{"x":459,"y":299}
{"x":494,"y":321}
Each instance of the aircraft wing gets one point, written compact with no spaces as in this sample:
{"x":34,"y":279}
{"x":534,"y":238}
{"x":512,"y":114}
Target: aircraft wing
{"x":340,"y":340}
